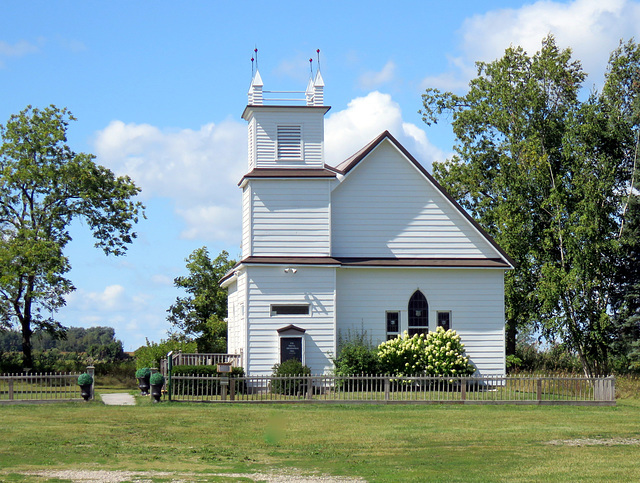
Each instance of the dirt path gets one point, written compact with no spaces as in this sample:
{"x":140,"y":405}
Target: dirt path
{"x":104,"y":476}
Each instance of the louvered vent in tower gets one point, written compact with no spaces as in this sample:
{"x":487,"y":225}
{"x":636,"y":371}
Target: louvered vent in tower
{"x":289,"y":142}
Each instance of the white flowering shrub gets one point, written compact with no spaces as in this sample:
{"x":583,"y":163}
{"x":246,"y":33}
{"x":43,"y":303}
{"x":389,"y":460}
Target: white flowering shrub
{"x":403,"y":356}
{"x":445,"y":354}
{"x":440,"y":353}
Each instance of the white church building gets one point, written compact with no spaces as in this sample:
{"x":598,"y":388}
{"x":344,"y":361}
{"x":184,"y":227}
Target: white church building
{"x":373,"y":244}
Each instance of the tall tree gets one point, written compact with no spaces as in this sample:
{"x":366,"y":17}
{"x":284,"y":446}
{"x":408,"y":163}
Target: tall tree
{"x":44,"y":186}
{"x":203,"y":311}
{"x":620,"y":95}
{"x":543,"y":173}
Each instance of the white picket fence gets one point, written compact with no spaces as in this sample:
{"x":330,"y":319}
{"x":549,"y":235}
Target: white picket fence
{"x":558,"y":390}
{"x":41,"y":387}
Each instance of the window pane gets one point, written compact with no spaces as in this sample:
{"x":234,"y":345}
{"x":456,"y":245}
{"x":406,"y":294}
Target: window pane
{"x":290,"y":309}
{"x":413,"y":332}
{"x":418,"y":313}
{"x":444,"y":320}
{"x":393,"y":322}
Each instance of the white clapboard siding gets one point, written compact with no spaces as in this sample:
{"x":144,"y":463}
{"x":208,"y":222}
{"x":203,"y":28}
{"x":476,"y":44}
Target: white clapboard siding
{"x":251,"y":129}
{"x":264,"y":150}
{"x":474,"y":298}
{"x":271,"y":285}
{"x":234,"y":321}
{"x":246,"y":221}
{"x":386,"y":208}
{"x":289,"y":217}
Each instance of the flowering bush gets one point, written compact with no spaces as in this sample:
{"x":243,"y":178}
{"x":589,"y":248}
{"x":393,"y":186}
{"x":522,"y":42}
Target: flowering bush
{"x":440,"y":353}
{"x":403,"y":356}
{"x":445,"y":355}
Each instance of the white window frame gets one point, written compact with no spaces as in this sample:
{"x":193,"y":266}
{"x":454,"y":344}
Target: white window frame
{"x":392,"y":335}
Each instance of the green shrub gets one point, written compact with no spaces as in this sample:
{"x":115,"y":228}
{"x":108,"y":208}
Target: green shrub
{"x":156,"y":378}
{"x":151,"y":354}
{"x":84,"y":379}
{"x":291,"y":385}
{"x":555,"y":358}
{"x":357,"y":355}
{"x":205,"y":371}
{"x":143,"y":373}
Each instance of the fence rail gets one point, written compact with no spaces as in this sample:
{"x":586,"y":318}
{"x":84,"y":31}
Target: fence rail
{"x":393,"y":389}
{"x":180,"y":359}
{"x":39,"y":387}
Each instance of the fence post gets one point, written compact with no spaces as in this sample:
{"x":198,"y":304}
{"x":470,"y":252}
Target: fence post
{"x":387,"y":383}
{"x":224,"y":385}
{"x":91,"y":370}
{"x":612,"y":388}
{"x":169,"y":371}
{"x":11,"y":389}
{"x":539,"y":389}
{"x":463,"y":388}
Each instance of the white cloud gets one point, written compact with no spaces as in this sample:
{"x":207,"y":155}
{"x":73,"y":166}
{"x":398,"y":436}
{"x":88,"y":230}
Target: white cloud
{"x":111,"y":299}
{"x":213,"y":222}
{"x":19,"y":49}
{"x":592,"y":28}
{"x":373,"y":80}
{"x":162,"y":279}
{"x":365,"y":118}
{"x":197,"y":169}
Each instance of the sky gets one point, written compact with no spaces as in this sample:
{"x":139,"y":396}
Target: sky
{"x":158,"y":89}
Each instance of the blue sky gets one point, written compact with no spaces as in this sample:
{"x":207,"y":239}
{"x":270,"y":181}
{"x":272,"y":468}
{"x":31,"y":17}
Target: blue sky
{"x":158,"y":89}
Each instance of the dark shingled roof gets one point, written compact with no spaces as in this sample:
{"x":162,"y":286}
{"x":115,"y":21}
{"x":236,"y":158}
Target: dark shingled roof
{"x":288,"y":173}
{"x":380,"y":262}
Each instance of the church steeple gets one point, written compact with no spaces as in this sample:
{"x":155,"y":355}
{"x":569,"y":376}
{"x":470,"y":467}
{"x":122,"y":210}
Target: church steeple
{"x":286,"y":128}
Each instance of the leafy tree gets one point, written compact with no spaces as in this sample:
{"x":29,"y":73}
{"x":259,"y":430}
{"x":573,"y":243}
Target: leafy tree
{"x":44,"y":186}
{"x":544,"y":173}
{"x":151,"y":354}
{"x":202,"y":312}
{"x":620,"y":93}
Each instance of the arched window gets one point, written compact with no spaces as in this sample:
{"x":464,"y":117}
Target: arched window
{"x":418,"y":314}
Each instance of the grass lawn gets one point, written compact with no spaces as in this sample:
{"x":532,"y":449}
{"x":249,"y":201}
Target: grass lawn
{"x":377,"y":443}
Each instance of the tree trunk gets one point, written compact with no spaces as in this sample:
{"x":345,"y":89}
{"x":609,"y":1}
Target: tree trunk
{"x":25,"y":321}
{"x":27,"y":360}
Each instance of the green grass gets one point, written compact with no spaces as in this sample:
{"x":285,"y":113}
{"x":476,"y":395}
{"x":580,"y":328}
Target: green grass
{"x":378,"y":443}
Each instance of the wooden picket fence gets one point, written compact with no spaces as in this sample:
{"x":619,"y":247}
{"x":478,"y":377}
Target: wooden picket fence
{"x":42,"y":387}
{"x":195,"y":359}
{"x":547,"y":390}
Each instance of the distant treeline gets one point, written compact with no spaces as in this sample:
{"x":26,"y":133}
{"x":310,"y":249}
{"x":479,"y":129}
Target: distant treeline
{"x":98,"y":342}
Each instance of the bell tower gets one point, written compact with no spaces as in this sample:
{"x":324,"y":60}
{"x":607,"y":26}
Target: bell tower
{"x":286,"y":191}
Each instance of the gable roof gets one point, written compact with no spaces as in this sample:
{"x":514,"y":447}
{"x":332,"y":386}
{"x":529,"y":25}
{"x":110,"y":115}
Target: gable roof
{"x":350,"y":163}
